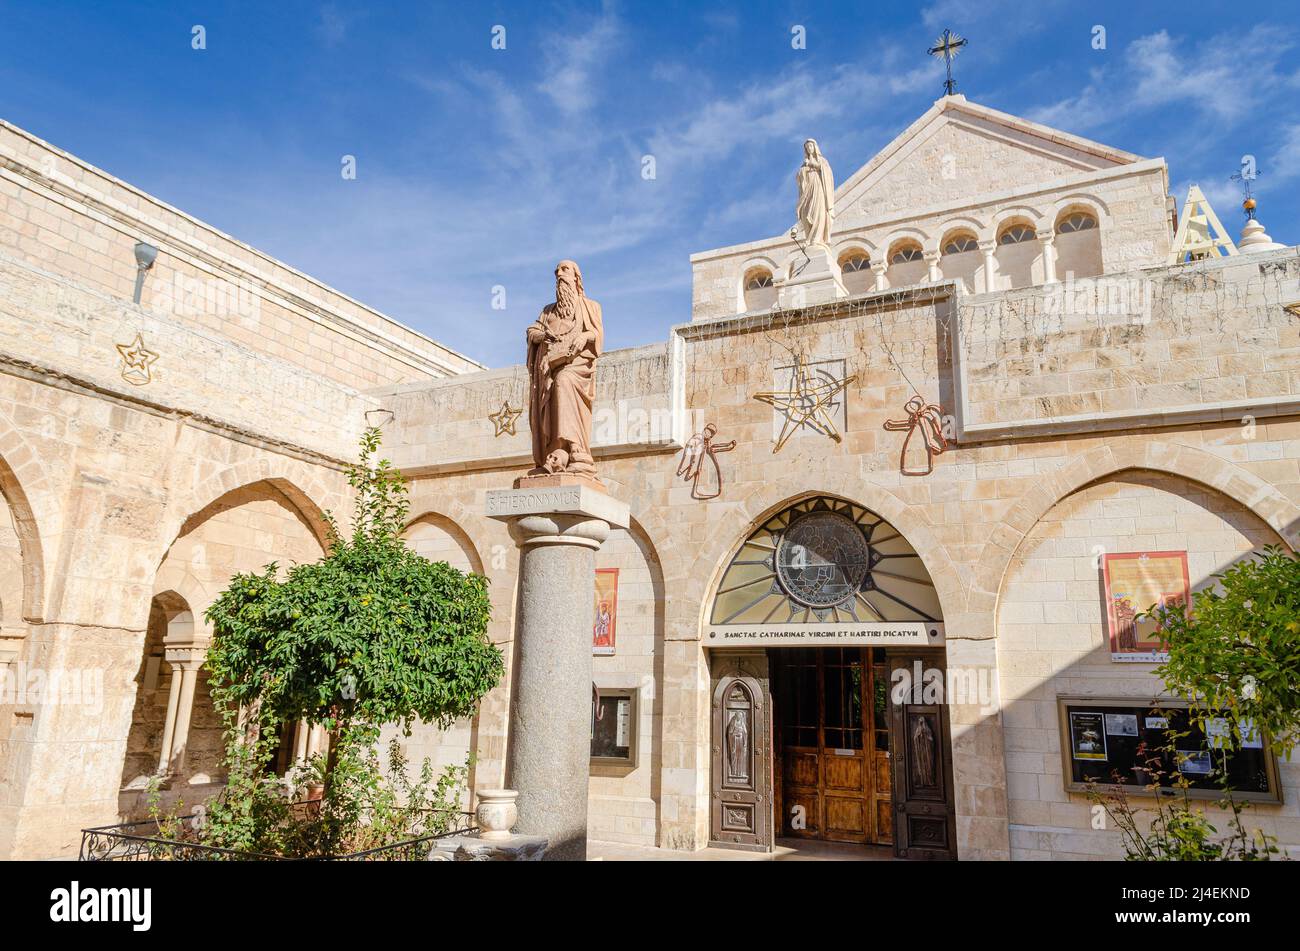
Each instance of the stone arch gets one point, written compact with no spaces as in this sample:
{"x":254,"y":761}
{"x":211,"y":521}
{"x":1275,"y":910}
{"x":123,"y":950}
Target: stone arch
{"x":194,"y":579}
{"x":1020,"y":264}
{"x":452,"y":529}
{"x":751,"y":267}
{"x":1196,"y":465}
{"x":1079,"y":254}
{"x":847,"y":256}
{"x":29,"y":543}
{"x":764,"y":504}
{"x":1005,"y":216}
{"x":965,"y":266}
{"x":957,"y":223}
{"x":855,"y":243}
{"x":299,"y":482}
{"x":1081,"y":201}
{"x":903,"y":273}
{"x":442,"y":536}
{"x":170,"y":624}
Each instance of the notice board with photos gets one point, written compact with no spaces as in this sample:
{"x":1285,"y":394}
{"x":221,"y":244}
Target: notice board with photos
{"x":1123,"y":742}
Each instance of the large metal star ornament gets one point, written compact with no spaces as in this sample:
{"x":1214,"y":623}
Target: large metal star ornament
{"x":805,"y":403}
{"x":503,"y":420}
{"x":136,"y":361}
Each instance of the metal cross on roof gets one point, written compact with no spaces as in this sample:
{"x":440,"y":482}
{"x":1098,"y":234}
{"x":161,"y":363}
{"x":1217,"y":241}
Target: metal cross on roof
{"x":948,"y":46}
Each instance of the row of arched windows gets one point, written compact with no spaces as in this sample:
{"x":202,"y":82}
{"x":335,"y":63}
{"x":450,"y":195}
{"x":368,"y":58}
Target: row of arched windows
{"x":1017,"y":258}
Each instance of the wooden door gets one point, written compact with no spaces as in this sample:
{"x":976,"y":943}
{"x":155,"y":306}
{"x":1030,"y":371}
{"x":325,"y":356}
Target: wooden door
{"x":741,"y":773}
{"x":925,"y":820}
{"x":834,"y":737}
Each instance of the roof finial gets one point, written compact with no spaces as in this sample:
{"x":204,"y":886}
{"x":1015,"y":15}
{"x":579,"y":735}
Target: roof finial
{"x":948,"y":46}
{"x":1247,"y":175}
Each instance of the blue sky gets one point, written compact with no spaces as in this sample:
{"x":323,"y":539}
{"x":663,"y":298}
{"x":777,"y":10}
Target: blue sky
{"x":479,"y":167}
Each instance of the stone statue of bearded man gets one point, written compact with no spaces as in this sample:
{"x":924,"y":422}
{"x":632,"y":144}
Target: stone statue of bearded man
{"x":816,"y":206}
{"x":563,"y":344}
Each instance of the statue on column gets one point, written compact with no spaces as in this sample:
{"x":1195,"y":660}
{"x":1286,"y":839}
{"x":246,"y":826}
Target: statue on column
{"x":816,"y":205}
{"x":563,"y":344}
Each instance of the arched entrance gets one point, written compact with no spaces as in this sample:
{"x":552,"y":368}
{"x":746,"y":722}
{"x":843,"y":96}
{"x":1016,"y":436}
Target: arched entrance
{"x":825,"y":636}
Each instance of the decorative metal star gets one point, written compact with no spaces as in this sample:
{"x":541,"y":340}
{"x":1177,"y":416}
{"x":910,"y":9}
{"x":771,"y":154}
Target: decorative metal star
{"x":504,"y":419}
{"x":805,"y":403}
{"x":136,"y":361}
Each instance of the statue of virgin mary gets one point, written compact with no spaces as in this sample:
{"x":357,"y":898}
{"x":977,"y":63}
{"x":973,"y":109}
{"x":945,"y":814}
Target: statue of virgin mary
{"x":816,"y":207}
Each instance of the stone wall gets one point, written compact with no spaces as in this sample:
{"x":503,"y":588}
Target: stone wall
{"x":1052,"y":642}
{"x":1129,"y":203}
{"x":967,"y":519}
{"x":62,"y":215}
{"x":1206,"y":341}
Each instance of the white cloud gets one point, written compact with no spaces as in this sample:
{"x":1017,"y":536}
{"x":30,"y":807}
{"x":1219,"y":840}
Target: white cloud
{"x":572,"y":61}
{"x":1159,"y":71}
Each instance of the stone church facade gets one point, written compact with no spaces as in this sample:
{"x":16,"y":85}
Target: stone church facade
{"x":1008,"y":301}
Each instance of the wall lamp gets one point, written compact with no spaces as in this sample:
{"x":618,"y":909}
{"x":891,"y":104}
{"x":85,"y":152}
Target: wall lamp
{"x":145,"y":255}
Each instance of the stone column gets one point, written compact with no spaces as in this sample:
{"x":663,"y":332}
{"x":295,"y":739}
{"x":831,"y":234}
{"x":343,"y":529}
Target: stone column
{"x":169,"y":725}
{"x":882,"y":282}
{"x":558,"y":528}
{"x":185,"y":663}
{"x":1045,"y":241}
{"x":990,"y":265}
{"x":932,"y":266}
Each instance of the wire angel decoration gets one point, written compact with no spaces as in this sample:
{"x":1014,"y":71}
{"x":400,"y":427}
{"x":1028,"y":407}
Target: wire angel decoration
{"x":699,"y":463}
{"x":924,"y":425}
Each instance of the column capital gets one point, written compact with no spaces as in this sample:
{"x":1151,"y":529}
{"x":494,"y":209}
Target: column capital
{"x":555,"y":529}
{"x":186,"y":658}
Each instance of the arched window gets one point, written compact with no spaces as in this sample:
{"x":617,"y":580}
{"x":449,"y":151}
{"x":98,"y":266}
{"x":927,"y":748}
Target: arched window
{"x":958,"y":262}
{"x":906,"y":264}
{"x":1019,"y":255}
{"x":760,"y":292}
{"x":1015,"y":234}
{"x":960,"y":244}
{"x":825,"y":560}
{"x":855,"y":270}
{"x":1078,"y":245}
{"x":1078,"y":221}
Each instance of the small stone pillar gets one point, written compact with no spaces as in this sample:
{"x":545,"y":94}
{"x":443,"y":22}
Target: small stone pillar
{"x":987,"y":249}
{"x":814,"y":279}
{"x":1047,"y":243}
{"x":559,"y":522}
{"x":185,"y":663}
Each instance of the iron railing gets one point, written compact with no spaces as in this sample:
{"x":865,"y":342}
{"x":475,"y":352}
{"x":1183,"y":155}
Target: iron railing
{"x":143,"y":841}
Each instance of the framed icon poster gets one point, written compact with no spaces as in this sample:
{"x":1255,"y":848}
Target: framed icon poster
{"x":604,"y":628}
{"x":1136,"y":582}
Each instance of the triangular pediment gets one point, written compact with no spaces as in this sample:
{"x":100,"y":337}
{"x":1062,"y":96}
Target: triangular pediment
{"x":958,"y":150}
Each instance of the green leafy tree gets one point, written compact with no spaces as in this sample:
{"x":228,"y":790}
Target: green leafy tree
{"x":1234,"y":654}
{"x":371,"y":634}
{"x":1237,"y":650}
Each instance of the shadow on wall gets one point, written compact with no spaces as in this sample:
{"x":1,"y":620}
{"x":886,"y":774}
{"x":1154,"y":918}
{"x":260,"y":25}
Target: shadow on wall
{"x":1053,"y":641}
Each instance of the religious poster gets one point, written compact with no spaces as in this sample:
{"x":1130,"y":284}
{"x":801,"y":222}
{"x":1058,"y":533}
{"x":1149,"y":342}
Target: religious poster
{"x":603,"y":630}
{"x":1087,"y":738}
{"x":1136,"y":583}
